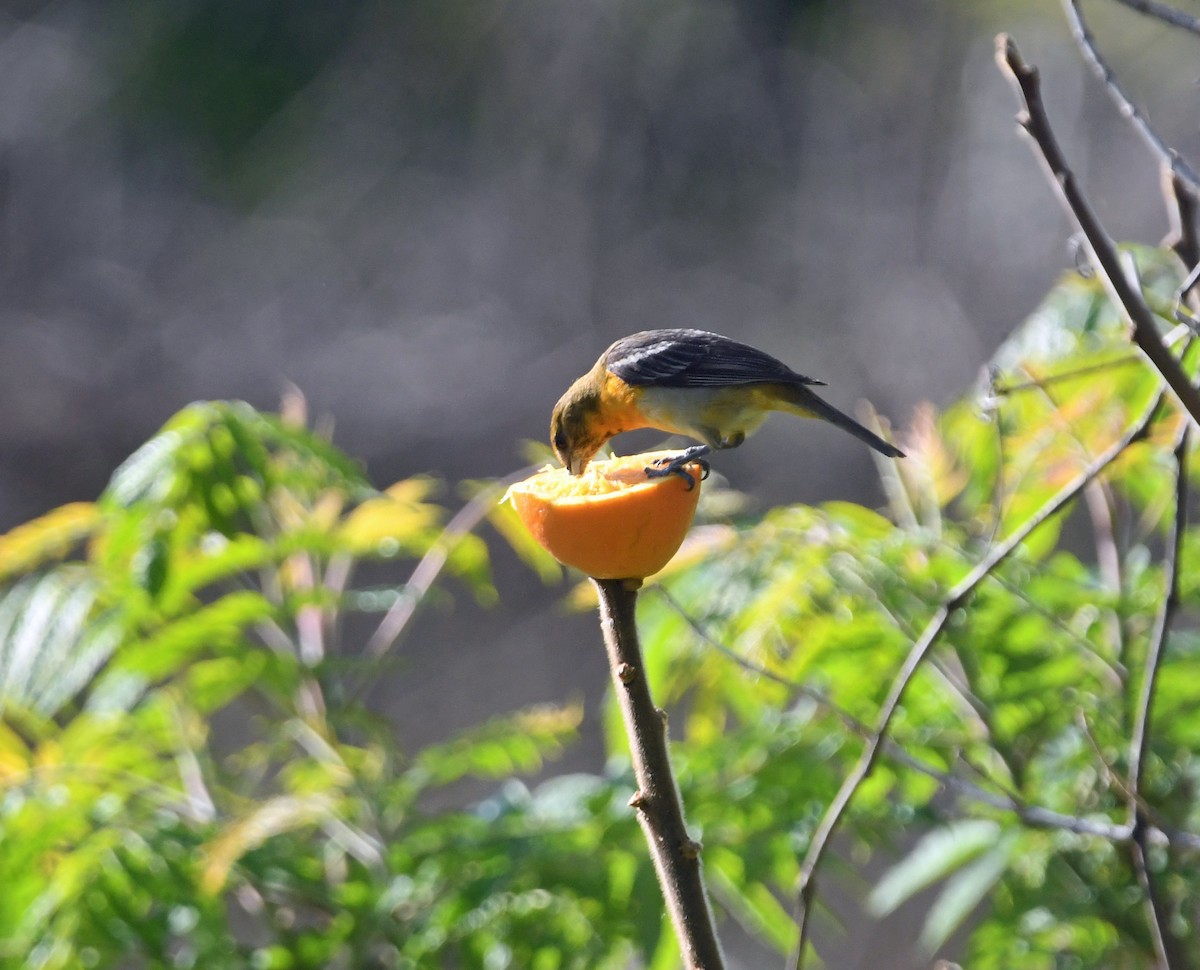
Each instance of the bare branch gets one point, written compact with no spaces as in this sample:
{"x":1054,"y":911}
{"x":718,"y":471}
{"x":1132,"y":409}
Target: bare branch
{"x":1101,"y":250}
{"x":1128,"y":110}
{"x":1167,"y":949}
{"x":1139,"y":740}
{"x":676,"y":856}
{"x":1184,"y":236}
{"x":1170,"y":955}
{"x":1168,"y":15}
{"x":1041,"y":383}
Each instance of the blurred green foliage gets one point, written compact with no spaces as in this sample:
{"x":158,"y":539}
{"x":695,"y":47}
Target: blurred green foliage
{"x":200,"y":598}
{"x":205,"y":596}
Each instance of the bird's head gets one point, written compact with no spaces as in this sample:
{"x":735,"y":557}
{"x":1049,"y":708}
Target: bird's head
{"x":575,"y":432}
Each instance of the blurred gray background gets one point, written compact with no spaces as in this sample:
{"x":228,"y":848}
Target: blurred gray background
{"x":431,"y":215}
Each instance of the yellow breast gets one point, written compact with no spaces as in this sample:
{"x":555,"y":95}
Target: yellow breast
{"x":717,"y":416}
{"x":622,"y":405}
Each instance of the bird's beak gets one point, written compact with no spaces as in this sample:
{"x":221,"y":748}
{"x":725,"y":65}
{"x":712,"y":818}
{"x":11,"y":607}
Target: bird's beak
{"x":577,"y":461}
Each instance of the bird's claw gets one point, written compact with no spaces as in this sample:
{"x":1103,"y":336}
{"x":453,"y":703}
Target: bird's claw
{"x":663,"y":467}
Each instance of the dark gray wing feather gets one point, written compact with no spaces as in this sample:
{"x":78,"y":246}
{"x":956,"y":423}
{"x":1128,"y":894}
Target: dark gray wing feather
{"x":694,"y":358}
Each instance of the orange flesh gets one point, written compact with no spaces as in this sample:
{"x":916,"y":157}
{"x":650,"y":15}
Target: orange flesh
{"x":611,"y":522}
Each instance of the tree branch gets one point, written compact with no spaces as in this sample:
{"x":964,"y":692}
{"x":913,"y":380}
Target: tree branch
{"x":1181,"y":204}
{"x":1101,"y":250}
{"x":1184,"y":236}
{"x":1167,"y":953}
{"x":1168,"y":15}
{"x":1042,"y":383}
{"x":676,"y":856}
{"x":954,"y":600}
{"x":1139,"y":740}
{"x":1170,"y":955}
{"x":1128,"y":110}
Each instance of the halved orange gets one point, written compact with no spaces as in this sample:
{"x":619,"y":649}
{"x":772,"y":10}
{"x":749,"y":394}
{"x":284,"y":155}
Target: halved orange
{"x":611,"y":522}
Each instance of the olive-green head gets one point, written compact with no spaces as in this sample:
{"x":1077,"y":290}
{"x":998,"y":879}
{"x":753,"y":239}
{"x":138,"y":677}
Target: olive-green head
{"x":575,"y":431}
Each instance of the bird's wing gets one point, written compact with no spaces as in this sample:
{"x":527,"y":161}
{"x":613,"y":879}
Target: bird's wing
{"x":694,"y":358}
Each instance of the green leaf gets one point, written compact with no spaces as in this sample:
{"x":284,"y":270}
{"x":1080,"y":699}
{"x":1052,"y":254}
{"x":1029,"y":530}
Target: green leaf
{"x":753,"y":903}
{"x":211,"y":684}
{"x":515,"y":743}
{"x":504,"y":520}
{"x":225,"y":457}
{"x":964,"y":891}
{"x":149,"y":472}
{"x":215,"y":627}
{"x":50,"y":536}
{"x":398,"y":520}
{"x":50,"y":643}
{"x":932,"y":859}
{"x":268,"y":819}
{"x":215,"y":561}
{"x":467,"y":558}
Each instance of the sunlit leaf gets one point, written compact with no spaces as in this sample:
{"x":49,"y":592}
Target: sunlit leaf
{"x":48,"y":537}
{"x":14,"y":755}
{"x":211,"y":684}
{"x":964,"y":891}
{"x":754,"y":904}
{"x":51,"y":642}
{"x":399,"y":520}
{"x":467,"y":558}
{"x":272,"y":817}
{"x":506,"y":745}
{"x":504,"y":519}
{"x":931,"y":860}
{"x":216,"y":560}
{"x":214,"y":627}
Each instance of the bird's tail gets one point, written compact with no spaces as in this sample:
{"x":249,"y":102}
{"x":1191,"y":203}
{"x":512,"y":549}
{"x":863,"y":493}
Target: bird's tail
{"x":806,"y":403}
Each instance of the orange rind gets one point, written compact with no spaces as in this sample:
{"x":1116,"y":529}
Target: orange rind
{"x":611,"y":522}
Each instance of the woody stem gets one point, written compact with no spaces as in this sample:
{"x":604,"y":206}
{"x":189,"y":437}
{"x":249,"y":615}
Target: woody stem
{"x":676,"y":855}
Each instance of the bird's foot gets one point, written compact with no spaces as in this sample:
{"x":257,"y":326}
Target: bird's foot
{"x":678,"y":465}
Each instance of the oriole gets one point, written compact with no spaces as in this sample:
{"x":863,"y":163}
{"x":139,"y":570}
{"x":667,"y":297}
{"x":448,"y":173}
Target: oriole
{"x":688,"y":382}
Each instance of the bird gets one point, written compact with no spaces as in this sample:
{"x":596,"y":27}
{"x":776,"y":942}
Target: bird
{"x":689,"y":382}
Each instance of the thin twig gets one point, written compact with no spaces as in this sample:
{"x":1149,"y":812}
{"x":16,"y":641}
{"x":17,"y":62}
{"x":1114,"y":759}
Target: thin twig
{"x":1185,"y":240}
{"x":1168,"y":15}
{"x":1101,"y":250}
{"x":426,"y":571}
{"x":310,"y":619}
{"x":1108,"y":553}
{"x":1184,"y":235}
{"x":1139,"y":740}
{"x":1098,"y":500}
{"x":338,"y":572}
{"x":1167,"y":955}
{"x":954,"y":600}
{"x":676,"y":856}
{"x":1128,"y":110}
{"x":999,"y":491}
{"x":1167,"y":950}
{"x":1041,"y":383}
{"x":1112,"y":777}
